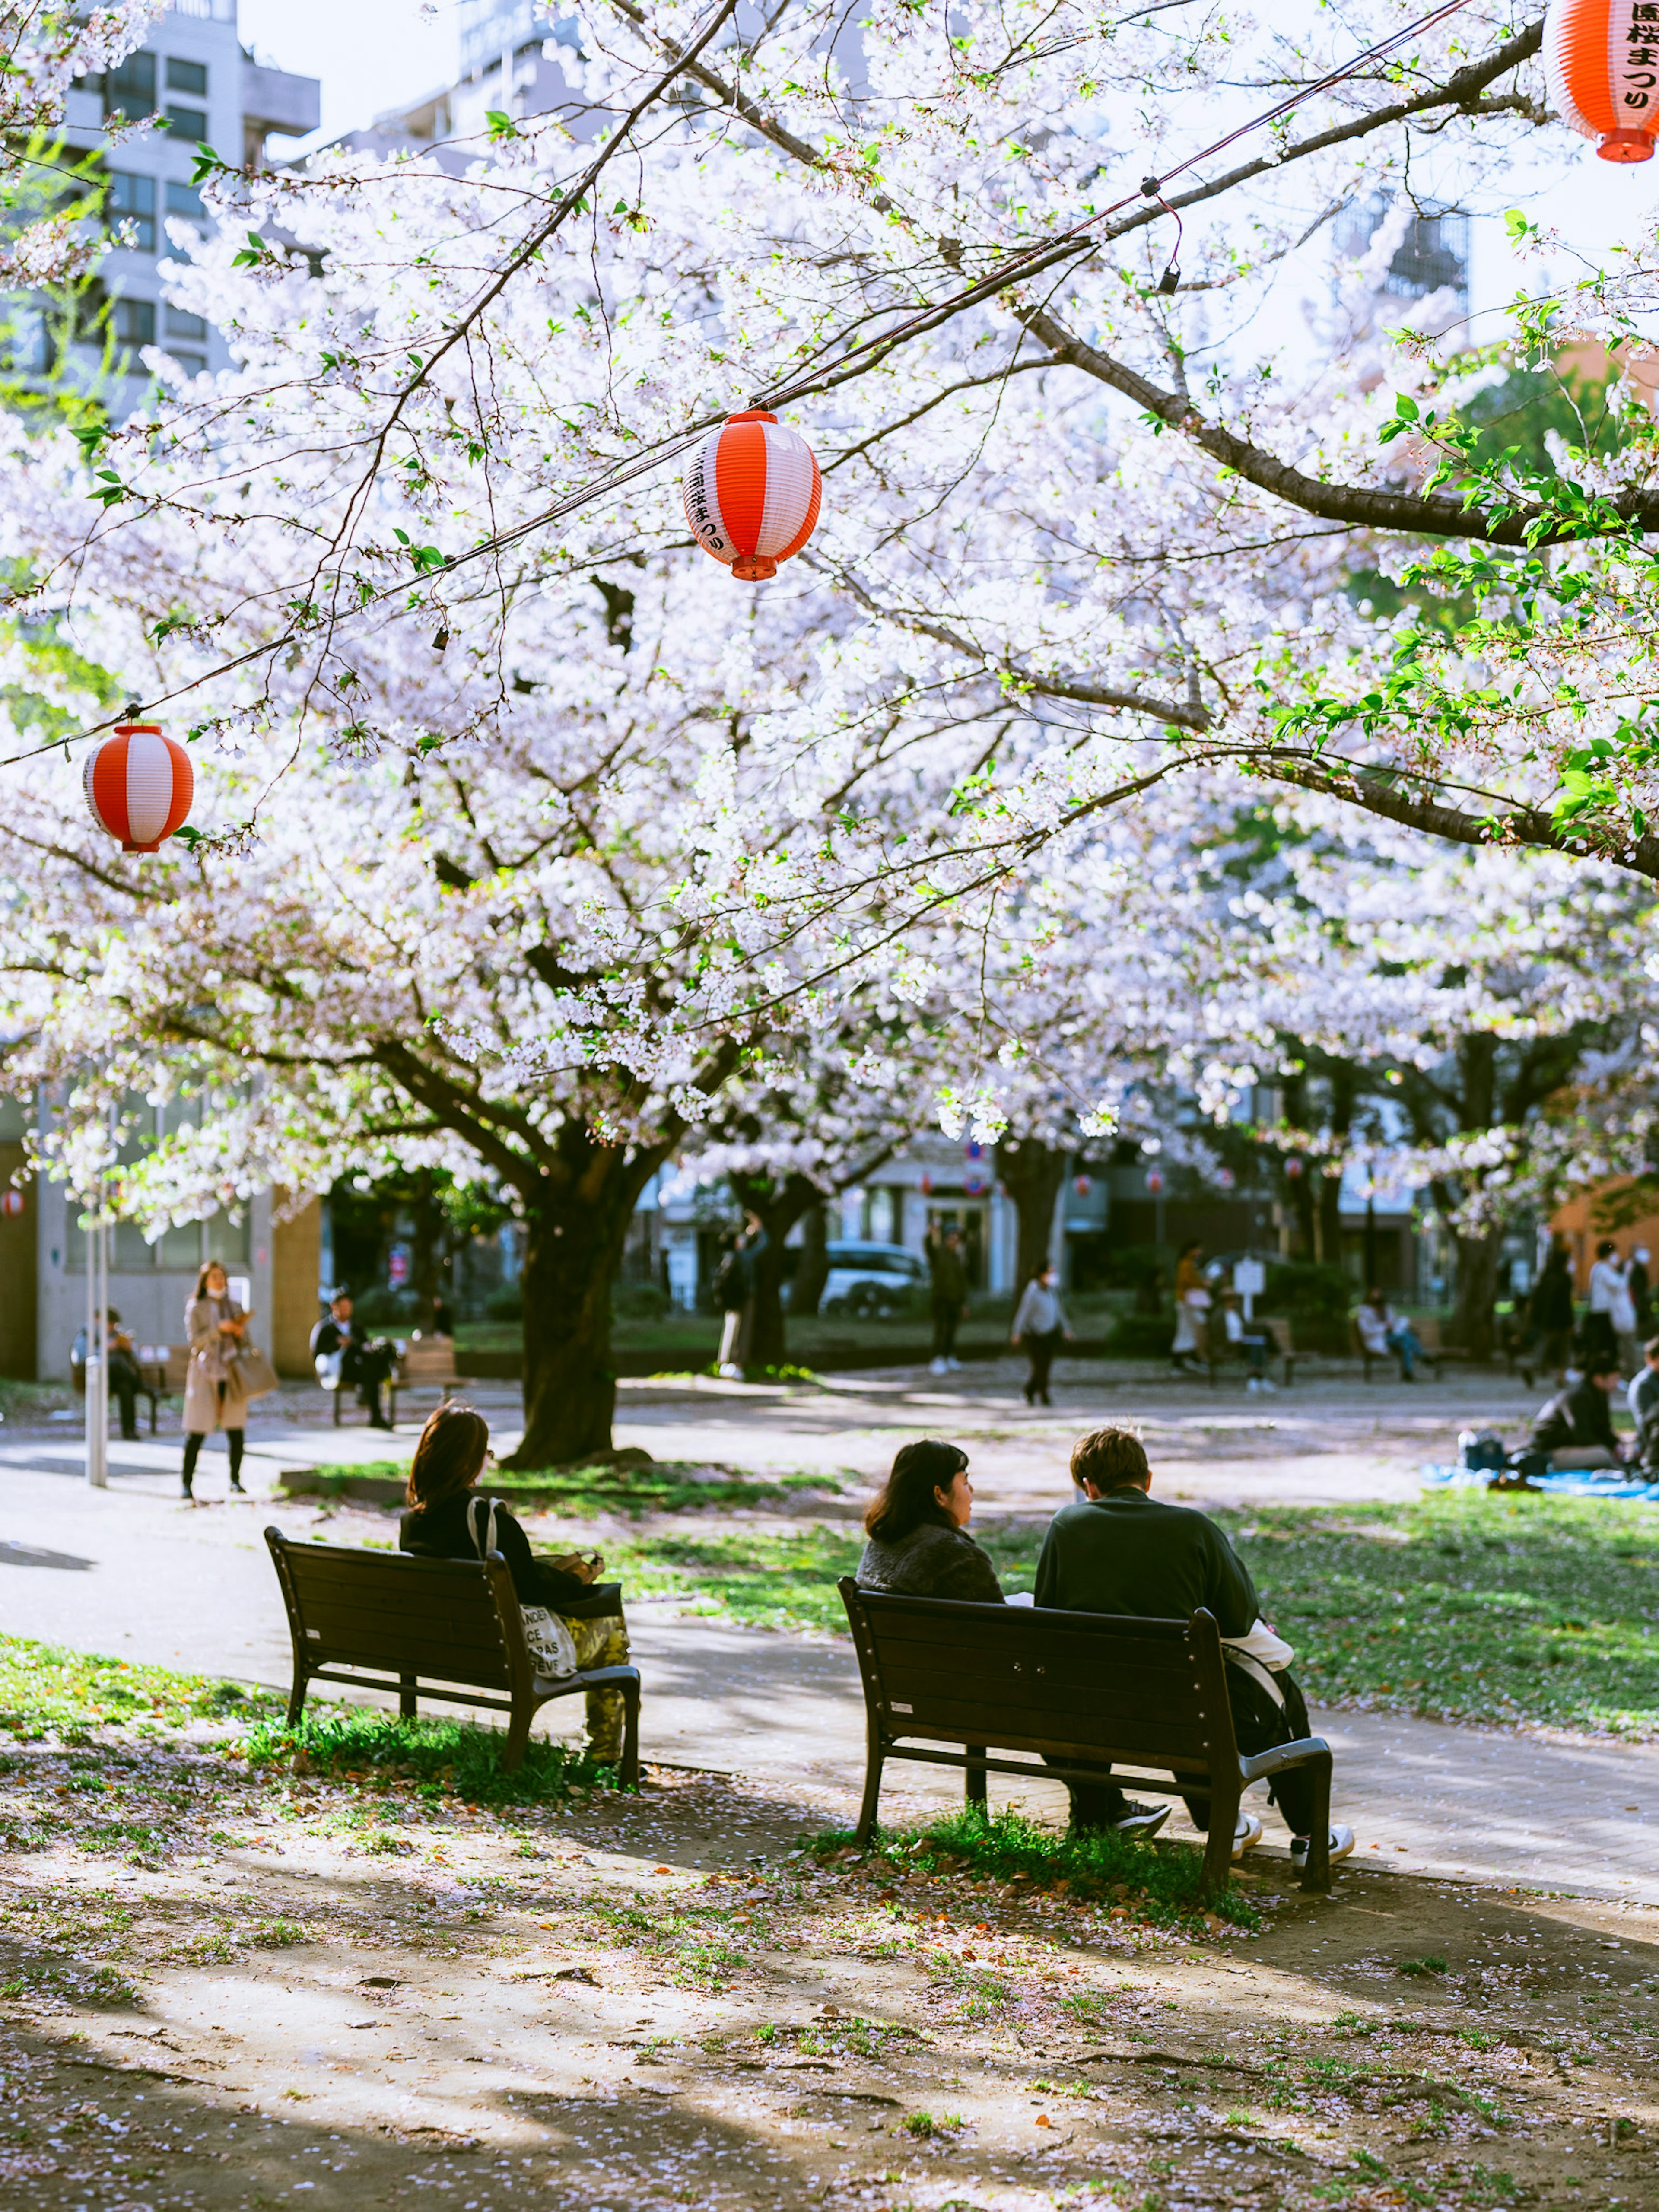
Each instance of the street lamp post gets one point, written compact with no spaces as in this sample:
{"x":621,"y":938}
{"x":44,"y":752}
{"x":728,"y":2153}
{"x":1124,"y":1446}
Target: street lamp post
{"x":97,"y":1367}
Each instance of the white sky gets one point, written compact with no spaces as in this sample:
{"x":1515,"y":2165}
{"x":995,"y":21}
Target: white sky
{"x":370,"y":54}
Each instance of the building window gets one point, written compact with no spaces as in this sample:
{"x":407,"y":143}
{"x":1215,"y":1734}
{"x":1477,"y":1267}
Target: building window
{"x":132,"y":200}
{"x":187,"y":76}
{"x":178,"y":325}
{"x":133,"y":321}
{"x":186,"y":121}
{"x":130,"y":87}
{"x":185,"y":202}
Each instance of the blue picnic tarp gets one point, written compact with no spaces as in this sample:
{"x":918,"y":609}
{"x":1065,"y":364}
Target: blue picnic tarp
{"x":1588,"y":1482}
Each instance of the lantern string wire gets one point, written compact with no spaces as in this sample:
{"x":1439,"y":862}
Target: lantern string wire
{"x":1027,"y":261}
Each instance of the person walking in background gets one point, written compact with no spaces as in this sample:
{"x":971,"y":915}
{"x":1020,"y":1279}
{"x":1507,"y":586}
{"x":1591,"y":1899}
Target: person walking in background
{"x":446,"y":1519}
{"x":919,"y":1545}
{"x":948,"y":1292}
{"x":1040,"y":1327}
{"x":734,"y":1293}
{"x":442,"y":1323}
{"x":1192,"y":1309}
{"x":215,"y":1395}
{"x":1550,"y":1315}
{"x":1610,"y":1331}
{"x":1640,"y":1286}
{"x":1383,"y":1333}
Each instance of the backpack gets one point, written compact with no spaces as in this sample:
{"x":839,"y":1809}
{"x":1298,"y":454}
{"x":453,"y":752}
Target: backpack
{"x":1481,"y":1450}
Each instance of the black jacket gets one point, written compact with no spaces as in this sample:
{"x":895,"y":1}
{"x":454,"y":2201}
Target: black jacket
{"x":1582,"y":1415}
{"x":1130,"y":1554}
{"x":440,"y":1532}
{"x":1551,"y":1307}
{"x":936,"y":1559}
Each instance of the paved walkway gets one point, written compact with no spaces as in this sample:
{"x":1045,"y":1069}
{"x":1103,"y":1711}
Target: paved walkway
{"x":128,"y":1572}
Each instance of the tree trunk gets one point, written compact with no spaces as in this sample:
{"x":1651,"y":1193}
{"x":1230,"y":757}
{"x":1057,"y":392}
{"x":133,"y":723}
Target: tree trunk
{"x":1328,"y":1228}
{"x":1032,"y":1175}
{"x":1474,"y":1324}
{"x":807,"y":1289}
{"x":575,"y":1226}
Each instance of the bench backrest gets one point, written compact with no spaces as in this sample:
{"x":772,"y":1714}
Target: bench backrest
{"x":1018,"y":1678}
{"x":452,"y":1620}
{"x":428,"y":1359}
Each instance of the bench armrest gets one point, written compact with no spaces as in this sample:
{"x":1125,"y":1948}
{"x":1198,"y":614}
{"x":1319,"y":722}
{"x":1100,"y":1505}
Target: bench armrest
{"x":597,"y":1678}
{"x":1262,"y":1763}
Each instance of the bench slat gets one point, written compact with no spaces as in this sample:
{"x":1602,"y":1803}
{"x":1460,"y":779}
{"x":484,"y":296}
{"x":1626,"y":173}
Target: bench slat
{"x":966,"y":1647}
{"x":338,"y":1624}
{"x":1037,"y":1731}
{"x":411,"y":1657}
{"x":410,"y":1600}
{"x":1154,"y":1697}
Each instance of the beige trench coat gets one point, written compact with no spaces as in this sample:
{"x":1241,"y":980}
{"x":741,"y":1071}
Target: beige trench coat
{"x":212,"y":1361}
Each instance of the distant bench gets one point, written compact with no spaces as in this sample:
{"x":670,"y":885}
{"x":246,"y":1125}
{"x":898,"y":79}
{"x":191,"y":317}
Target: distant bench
{"x":163,"y":1370}
{"x":1069,"y":1687}
{"x":426,"y":1363}
{"x":426,"y":1623}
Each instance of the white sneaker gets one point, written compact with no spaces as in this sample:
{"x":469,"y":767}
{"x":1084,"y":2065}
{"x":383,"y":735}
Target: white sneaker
{"x":730,"y":1372}
{"x":1247,"y":1834}
{"x":955,"y":1366}
{"x":1341,"y":1844}
{"x":1252,"y":1386}
{"x":939,"y":1367}
{"x":1267,"y":1383}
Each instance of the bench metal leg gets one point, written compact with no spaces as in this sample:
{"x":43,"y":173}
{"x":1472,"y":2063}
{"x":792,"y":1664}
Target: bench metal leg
{"x":406,"y":1696}
{"x":1224,"y":1824}
{"x":297,"y":1696}
{"x":875,"y":1757}
{"x":336,"y":1405}
{"x":518,"y":1738}
{"x":974,"y":1780}
{"x":1317,"y":1875}
{"x":630,"y":1773}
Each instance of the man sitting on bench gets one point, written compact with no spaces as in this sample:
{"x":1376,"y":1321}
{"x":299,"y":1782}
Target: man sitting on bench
{"x":1118,"y":1552}
{"x":337,"y":1344}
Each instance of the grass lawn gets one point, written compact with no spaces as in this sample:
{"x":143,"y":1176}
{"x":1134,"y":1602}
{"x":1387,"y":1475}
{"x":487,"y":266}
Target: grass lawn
{"x":665,"y":1486}
{"x":1470,"y":1607}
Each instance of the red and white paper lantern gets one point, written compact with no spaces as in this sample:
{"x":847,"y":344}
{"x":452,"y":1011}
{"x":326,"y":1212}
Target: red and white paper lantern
{"x":751,"y":495}
{"x":1602,"y":61}
{"x":139,"y":785}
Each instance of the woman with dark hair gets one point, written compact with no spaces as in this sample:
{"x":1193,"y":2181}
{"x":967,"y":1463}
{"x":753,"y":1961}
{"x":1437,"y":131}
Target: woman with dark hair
{"x":216,"y":1396}
{"x":919,"y":1545}
{"x":446,"y":1519}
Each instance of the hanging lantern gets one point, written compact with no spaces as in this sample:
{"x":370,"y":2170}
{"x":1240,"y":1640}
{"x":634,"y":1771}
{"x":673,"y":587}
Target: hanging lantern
{"x":1602,"y":59}
{"x":751,"y":495}
{"x":139,"y":785}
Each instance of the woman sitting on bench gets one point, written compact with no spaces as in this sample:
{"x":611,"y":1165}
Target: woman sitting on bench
{"x":447,"y":1519}
{"x":919,"y":1542}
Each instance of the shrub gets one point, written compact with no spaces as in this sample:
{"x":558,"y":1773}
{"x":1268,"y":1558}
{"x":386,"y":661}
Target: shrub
{"x":1141,"y":1336}
{"x":382,"y":1308}
{"x":638,"y":1301}
{"x":505,"y":1305}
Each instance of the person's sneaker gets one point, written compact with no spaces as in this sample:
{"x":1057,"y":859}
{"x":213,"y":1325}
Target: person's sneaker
{"x":1247,"y":1834}
{"x":1267,"y":1383}
{"x":1142,"y":1821}
{"x":939,"y":1367}
{"x":955,"y":1366}
{"x":730,"y":1372}
{"x":1341,"y":1844}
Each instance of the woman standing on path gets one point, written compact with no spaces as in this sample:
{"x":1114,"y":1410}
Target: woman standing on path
{"x":215,"y":1396}
{"x":1039,"y":1326}
{"x":1192,"y":1309}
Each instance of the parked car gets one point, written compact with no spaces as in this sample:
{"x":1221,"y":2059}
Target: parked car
{"x":868,"y":1281}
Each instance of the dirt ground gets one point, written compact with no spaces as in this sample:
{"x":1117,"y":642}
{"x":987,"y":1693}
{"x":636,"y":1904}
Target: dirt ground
{"x":220,"y":1990}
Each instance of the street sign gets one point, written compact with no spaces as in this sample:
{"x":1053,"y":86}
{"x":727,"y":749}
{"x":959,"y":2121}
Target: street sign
{"x":1249,"y":1278}
{"x":1155,"y":1181}
{"x":11,"y":1204}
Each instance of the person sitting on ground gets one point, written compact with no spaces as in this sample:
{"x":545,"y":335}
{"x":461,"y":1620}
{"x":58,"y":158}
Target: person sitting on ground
{"x":1382,"y":1332}
{"x":1642,"y":1398}
{"x":1574,"y":1429}
{"x":365,"y":1363}
{"x":1123,"y":1552}
{"x":917,"y":1530}
{"x":447,"y":1519}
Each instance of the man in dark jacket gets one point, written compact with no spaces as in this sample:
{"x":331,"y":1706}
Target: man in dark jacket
{"x":1550,"y":1316}
{"x":1124,"y":1551}
{"x":1642,"y":1398}
{"x":365,"y":1363}
{"x":1574,"y":1429}
{"x":948,"y":1294}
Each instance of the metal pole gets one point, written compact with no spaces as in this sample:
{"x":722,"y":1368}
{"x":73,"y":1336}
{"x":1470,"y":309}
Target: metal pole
{"x":97,"y":1398}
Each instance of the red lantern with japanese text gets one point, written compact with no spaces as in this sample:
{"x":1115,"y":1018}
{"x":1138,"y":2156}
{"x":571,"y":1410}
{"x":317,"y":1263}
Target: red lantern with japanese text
{"x":139,"y":785}
{"x":752,"y":494}
{"x":1602,"y":60}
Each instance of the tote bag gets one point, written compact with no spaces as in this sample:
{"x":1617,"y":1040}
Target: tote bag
{"x":552,"y":1647}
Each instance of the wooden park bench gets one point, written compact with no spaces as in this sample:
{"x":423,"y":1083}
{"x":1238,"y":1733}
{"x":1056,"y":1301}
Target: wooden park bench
{"x":1218,"y":1352}
{"x":1427,"y":1333}
{"x":426,"y":1363}
{"x":158,"y":1377}
{"x":425,"y":1624}
{"x":1073,"y":1688}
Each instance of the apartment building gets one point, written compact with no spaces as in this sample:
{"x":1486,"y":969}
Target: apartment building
{"x":193,"y":75}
